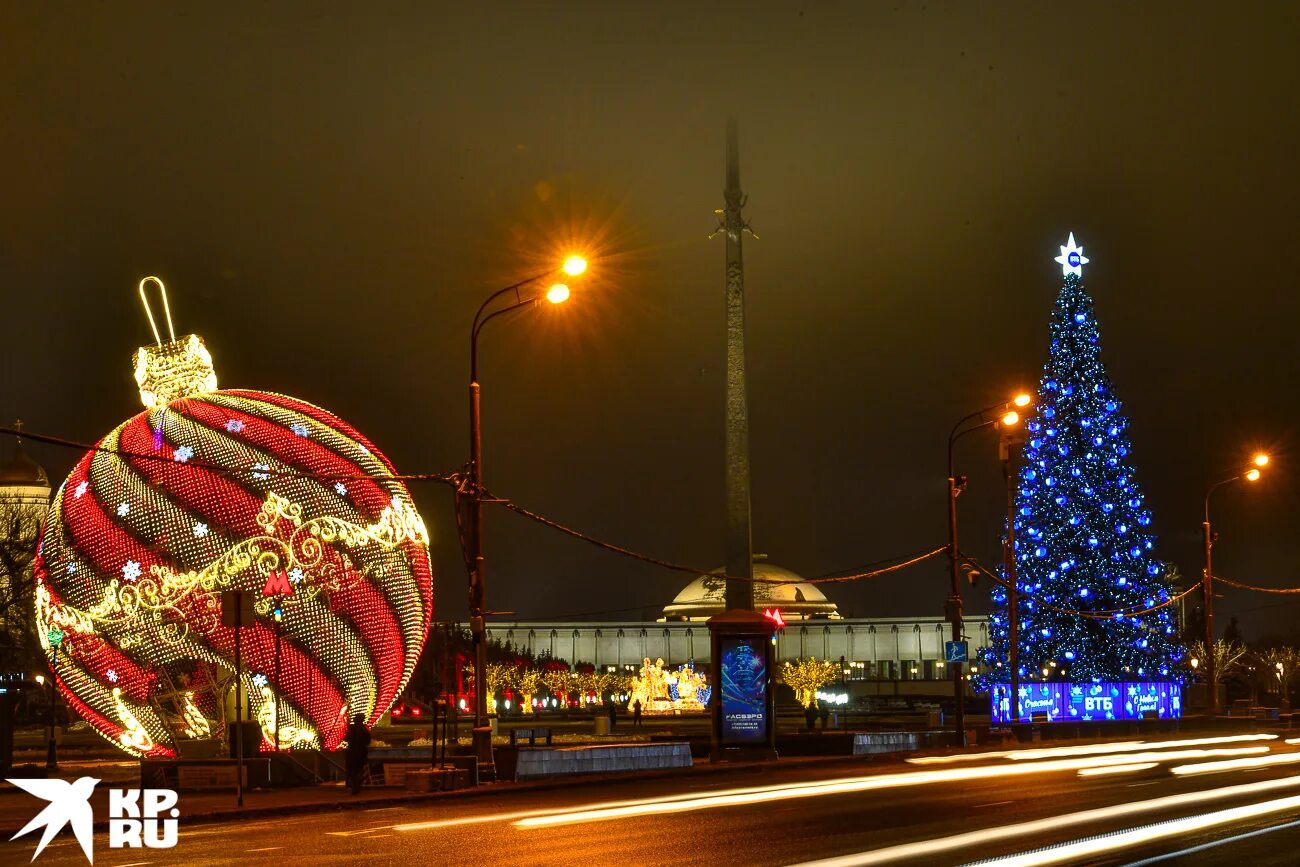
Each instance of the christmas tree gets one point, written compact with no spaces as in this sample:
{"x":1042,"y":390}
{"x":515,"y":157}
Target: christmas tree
{"x":1081,"y":537}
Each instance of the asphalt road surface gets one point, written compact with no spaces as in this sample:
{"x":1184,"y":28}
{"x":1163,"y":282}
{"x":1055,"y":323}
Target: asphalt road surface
{"x":1038,"y":807}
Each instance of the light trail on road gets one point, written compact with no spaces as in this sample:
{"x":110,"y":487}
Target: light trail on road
{"x":1093,"y":846}
{"x":1091,"y":749}
{"x":1105,"y":770}
{"x":1052,"y":824}
{"x":738,"y":798}
{"x":1236,"y":764}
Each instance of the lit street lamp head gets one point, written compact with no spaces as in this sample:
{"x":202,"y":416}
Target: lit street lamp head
{"x":1261,"y":460}
{"x":1023,"y":400}
{"x":1011,"y":418}
{"x":1252,"y":475}
{"x":559,"y":293}
{"x":574,"y":265}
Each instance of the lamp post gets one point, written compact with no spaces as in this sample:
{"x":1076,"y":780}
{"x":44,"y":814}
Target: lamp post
{"x":1006,"y":445}
{"x":473,"y":488}
{"x":954,"y":606}
{"x":1284,"y":694}
{"x":1251,"y":474}
{"x":55,"y":637}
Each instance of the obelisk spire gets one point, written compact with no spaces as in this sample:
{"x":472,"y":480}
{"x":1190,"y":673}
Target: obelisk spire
{"x":740,"y":563}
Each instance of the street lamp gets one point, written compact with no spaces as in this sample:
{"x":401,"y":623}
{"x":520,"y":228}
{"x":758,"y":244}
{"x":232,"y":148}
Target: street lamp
{"x":954,"y":608}
{"x":1251,"y":474}
{"x":558,"y":293}
{"x":55,"y":638}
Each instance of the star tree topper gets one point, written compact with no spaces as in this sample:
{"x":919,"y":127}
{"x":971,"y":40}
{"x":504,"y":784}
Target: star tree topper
{"x":1071,"y":259}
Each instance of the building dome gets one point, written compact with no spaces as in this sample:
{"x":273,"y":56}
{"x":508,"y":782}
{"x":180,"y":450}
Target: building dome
{"x":789,"y":592}
{"x":21,"y":471}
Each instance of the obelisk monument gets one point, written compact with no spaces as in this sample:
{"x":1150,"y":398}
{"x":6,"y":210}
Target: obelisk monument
{"x":740,"y":560}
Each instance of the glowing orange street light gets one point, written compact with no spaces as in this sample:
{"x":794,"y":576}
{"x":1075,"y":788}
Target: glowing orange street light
{"x":1252,"y":474}
{"x":953,"y":608}
{"x":558,"y":293}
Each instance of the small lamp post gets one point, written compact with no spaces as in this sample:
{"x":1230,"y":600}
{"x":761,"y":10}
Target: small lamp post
{"x":55,"y":638}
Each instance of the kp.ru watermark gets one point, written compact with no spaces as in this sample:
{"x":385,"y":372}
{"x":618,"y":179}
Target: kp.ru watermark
{"x":137,"y":818}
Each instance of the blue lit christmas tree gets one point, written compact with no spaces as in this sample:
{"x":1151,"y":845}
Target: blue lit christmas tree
{"x":1081,"y":540}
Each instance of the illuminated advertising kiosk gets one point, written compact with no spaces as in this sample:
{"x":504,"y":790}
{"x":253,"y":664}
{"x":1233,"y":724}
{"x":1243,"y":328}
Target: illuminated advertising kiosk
{"x":742,"y":708}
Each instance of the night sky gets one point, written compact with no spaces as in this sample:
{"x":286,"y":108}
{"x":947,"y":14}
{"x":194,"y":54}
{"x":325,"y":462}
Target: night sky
{"x":330,"y":195}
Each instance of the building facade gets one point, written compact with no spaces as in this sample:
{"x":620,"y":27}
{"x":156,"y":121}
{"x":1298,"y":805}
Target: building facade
{"x":873,"y":648}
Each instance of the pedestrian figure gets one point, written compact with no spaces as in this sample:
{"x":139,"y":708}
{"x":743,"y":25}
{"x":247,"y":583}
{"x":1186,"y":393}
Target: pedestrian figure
{"x":358,"y":752}
{"x":825,"y":715}
{"x":613,"y":714}
{"x":810,"y":717}
{"x":636,"y":713}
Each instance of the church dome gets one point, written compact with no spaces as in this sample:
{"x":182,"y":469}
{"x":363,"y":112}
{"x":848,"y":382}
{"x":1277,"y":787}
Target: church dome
{"x":787,"y":591}
{"x":22,"y":471}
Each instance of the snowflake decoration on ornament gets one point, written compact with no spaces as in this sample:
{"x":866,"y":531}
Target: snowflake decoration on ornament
{"x":259,"y":680}
{"x":131,"y":571}
{"x":261,"y":476}
{"x":295,"y":575}
{"x":340,"y":489}
{"x":183,"y":454}
{"x":200,"y":530}
{"x":234,"y":425}
{"x":81,"y":489}
{"x":112,"y":675}
{"x":299,"y":429}
{"x":123,"y":509}
{"x":72,"y":568}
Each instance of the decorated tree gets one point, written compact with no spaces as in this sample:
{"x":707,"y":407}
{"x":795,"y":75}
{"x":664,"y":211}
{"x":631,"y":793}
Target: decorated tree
{"x":1282,"y":662}
{"x":558,"y":682}
{"x":499,"y":676}
{"x":1091,"y":590}
{"x":528,"y":680}
{"x":806,"y":676}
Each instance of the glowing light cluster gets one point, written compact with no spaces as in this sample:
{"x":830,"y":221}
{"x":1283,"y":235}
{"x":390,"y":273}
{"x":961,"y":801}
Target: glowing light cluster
{"x":669,"y":691}
{"x":1081,"y":540}
{"x":137,"y":551}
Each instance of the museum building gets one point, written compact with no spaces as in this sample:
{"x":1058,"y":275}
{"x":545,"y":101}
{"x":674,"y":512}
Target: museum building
{"x":881,"y":649}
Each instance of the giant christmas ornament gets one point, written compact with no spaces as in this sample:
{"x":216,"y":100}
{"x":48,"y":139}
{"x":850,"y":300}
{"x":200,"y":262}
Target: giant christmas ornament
{"x":213,"y":490}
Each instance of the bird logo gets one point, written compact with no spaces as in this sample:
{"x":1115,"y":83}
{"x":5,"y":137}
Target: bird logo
{"x":69,"y":804}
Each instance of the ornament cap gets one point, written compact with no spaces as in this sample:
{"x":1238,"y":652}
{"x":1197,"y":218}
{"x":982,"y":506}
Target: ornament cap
{"x":178,"y":368}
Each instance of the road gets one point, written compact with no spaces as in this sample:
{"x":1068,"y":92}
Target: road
{"x":931,"y":813}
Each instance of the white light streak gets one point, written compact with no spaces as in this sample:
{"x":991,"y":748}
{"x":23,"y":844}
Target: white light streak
{"x":1052,"y":824}
{"x":1091,"y":749}
{"x":1236,"y":764}
{"x":1093,"y":846}
{"x":1116,"y":769}
{"x":743,"y":797}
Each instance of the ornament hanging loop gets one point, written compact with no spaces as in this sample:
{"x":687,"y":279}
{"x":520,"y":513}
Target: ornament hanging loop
{"x":167,"y":310}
